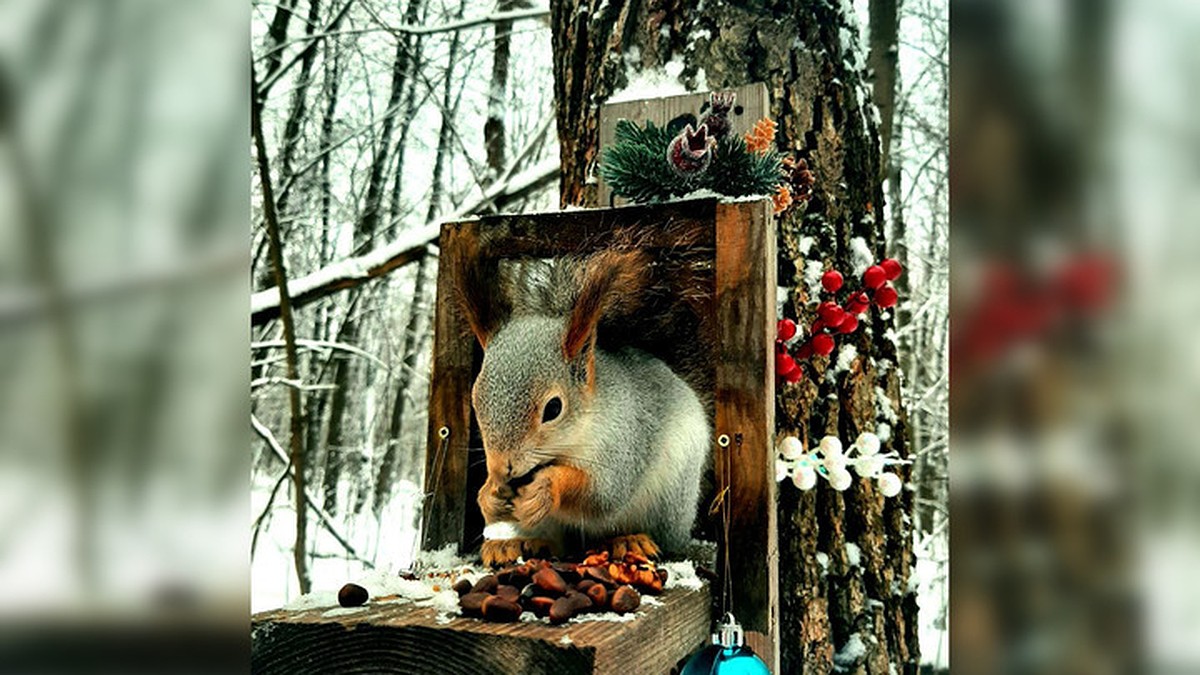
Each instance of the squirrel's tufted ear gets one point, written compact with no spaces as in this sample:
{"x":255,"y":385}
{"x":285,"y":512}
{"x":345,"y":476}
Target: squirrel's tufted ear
{"x":610,"y":282}
{"x":482,"y":295}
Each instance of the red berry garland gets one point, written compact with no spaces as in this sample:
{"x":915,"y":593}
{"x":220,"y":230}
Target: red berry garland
{"x":833,"y":318}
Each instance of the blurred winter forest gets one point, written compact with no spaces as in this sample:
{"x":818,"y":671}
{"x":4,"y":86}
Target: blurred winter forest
{"x":375,"y":121}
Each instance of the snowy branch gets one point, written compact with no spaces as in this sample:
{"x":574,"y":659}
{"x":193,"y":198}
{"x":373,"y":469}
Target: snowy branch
{"x":357,"y":270}
{"x":323,"y":345}
{"x":495,"y":17}
{"x":326,"y":519}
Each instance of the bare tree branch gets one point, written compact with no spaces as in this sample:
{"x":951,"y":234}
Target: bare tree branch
{"x":357,"y":270}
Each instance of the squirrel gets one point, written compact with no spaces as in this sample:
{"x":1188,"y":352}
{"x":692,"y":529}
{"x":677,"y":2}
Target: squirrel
{"x":582,"y":440}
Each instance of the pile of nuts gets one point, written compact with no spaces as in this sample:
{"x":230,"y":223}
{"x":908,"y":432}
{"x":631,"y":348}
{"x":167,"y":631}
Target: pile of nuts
{"x":561,"y":590}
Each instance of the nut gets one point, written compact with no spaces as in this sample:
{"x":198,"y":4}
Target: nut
{"x":550,"y":580}
{"x":599,"y":574}
{"x":352,"y":595}
{"x":625,"y":599}
{"x":509,"y":593}
{"x":562,"y":610}
{"x":462,"y":587}
{"x":584,"y":585}
{"x":496,"y":608}
{"x":486,"y":584}
{"x":472,"y":603}
{"x":540,"y":605}
{"x":598,"y":594}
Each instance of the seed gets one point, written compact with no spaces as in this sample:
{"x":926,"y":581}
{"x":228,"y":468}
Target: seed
{"x":625,"y":600}
{"x":509,"y":593}
{"x":562,"y":610}
{"x":540,"y":605}
{"x":496,"y":608}
{"x":598,"y":594}
{"x":486,"y":584}
{"x":584,"y":585}
{"x":548,"y":579}
{"x":462,"y":587}
{"x":352,"y":595}
{"x":472,"y":603}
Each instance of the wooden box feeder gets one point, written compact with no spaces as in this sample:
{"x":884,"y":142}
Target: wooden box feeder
{"x":739,"y":315}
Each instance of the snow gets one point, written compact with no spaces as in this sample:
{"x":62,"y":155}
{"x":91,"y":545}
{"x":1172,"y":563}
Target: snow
{"x":806,"y":244}
{"x":681,"y":575}
{"x":860,"y":255}
{"x":883,"y":406}
{"x":884,"y":432}
{"x":853,"y":554}
{"x":845,"y":358}
{"x":851,"y":654}
{"x":813,"y":269}
{"x":656,"y":82}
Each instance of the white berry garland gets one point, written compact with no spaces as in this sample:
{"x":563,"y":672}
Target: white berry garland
{"x":830,"y":462}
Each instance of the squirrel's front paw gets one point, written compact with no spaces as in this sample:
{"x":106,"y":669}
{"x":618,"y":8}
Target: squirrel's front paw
{"x":637,"y":544}
{"x":498,"y":552}
{"x":535,"y":501}
{"x":494,"y":501}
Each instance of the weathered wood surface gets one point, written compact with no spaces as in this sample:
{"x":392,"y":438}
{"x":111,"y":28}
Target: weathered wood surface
{"x":451,"y":515}
{"x":745,"y":415}
{"x":446,"y":498}
{"x":753,"y":104}
{"x":400,"y":637}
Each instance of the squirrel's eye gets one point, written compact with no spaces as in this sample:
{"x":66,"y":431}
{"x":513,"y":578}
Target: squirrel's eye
{"x":552,"y":410}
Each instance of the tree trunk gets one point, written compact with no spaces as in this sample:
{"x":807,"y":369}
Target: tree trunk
{"x":819,"y":100}
{"x":493,"y":129}
{"x":296,"y":439}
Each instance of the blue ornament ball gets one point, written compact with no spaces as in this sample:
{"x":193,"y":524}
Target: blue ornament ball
{"x":728,"y":655}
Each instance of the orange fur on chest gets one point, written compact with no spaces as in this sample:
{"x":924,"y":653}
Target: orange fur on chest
{"x":570,"y":487}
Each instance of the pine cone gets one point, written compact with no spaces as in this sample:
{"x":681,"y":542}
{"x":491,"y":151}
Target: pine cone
{"x":690,"y":153}
{"x":717,"y":119}
{"x":798,"y":175}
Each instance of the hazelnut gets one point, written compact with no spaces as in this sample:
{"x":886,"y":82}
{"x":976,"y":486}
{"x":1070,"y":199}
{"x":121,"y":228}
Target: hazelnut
{"x":598,"y":594}
{"x":352,"y":595}
{"x":496,"y":608}
{"x":472,"y":603}
{"x":486,"y":584}
{"x":462,"y":587}
{"x":625,"y":599}
{"x":550,"y":580}
{"x":509,"y":593}
{"x":562,"y":610}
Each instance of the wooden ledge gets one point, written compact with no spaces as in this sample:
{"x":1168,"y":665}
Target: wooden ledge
{"x":400,"y":637}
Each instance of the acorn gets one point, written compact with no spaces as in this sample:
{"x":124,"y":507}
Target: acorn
{"x":352,"y":595}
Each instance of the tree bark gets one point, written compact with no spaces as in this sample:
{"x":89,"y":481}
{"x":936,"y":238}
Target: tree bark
{"x":818,"y":99}
{"x":493,"y":129}
{"x":296,"y":438}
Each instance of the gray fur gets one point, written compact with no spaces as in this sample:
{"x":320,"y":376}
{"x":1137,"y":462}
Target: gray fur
{"x":642,"y":435}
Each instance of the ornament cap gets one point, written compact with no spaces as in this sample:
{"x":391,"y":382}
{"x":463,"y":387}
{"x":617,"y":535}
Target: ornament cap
{"x":729,"y":633}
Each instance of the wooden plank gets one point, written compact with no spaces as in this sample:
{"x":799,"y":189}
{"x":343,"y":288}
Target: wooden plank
{"x":745,"y":413}
{"x":399,"y":637}
{"x":753,"y":99}
{"x":443,"y":514}
{"x":652,"y":226}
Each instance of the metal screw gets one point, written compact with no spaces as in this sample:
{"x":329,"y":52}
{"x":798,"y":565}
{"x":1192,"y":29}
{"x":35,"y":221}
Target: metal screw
{"x":444,"y":432}
{"x":723,"y":440}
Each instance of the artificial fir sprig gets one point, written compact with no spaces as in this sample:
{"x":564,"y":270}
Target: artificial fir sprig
{"x":651,"y":164}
